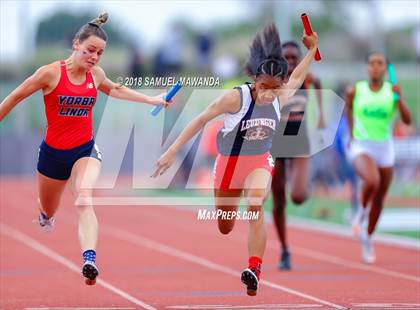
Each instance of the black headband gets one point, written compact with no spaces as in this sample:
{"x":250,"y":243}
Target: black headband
{"x":93,"y":24}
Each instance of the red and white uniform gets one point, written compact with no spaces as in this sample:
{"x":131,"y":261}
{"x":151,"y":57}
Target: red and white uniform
{"x":244,"y":142}
{"x":68,"y":109}
{"x":230,"y":172}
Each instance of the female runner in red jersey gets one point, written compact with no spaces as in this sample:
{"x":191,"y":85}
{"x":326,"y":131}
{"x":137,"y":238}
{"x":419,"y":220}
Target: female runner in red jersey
{"x":251,"y":117}
{"x":69,"y":151}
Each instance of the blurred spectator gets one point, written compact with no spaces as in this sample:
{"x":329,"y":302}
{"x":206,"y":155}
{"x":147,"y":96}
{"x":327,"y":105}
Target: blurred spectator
{"x":406,"y":152}
{"x":226,"y":67}
{"x":344,"y":168}
{"x":324,"y":171}
{"x":168,"y":59}
{"x":158,"y":64}
{"x":204,"y":47}
{"x":135,"y":61}
{"x":416,"y":41}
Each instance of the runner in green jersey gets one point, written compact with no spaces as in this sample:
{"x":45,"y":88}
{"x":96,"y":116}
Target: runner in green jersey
{"x":370,"y":110}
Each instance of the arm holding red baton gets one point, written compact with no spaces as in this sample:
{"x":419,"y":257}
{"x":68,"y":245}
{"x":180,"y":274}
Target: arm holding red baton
{"x":308,"y":31}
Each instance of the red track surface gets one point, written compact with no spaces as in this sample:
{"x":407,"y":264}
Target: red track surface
{"x":164,"y":258}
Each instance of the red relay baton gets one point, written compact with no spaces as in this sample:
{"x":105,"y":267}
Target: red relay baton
{"x":308,"y":30}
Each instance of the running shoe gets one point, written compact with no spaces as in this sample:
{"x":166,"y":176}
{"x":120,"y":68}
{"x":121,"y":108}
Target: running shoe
{"x":46,"y":224}
{"x":90,"y":272}
{"x":250,"y":279}
{"x":285,"y":263}
{"x":359,"y":218}
{"x":368,"y":252}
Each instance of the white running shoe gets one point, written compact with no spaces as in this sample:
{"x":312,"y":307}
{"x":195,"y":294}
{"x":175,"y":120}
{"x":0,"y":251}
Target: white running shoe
{"x":368,"y":252}
{"x":47,"y":224}
{"x":359,"y":218}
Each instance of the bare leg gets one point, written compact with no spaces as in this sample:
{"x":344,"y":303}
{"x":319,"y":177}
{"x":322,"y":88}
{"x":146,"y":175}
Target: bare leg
{"x":278,"y":189}
{"x":84,"y":175}
{"x":367,"y":170}
{"x":49,"y":193}
{"x":257,"y":186}
{"x":227,"y":201}
{"x":299,"y":179}
{"x":379,"y":198}
{"x":369,"y":173}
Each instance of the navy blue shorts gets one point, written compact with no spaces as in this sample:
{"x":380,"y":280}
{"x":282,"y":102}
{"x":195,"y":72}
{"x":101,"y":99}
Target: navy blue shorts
{"x":57,"y":164}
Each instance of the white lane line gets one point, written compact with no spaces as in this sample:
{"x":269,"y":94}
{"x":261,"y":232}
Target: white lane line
{"x":399,"y":306}
{"x":349,"y":264}
{"x":35,"y":245}
{"x":262,"y":307}
{"x":171,"y":251}
{"x":80,"y":308}
{"x":345,"y":231}
{"x":313,"y":254}
{"x":333,"y":230}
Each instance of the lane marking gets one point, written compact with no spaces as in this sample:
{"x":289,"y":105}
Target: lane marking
{"x":405,"y":306}
{"x":35,"y":245}
{"x":347,"y":263}
{"x":80,"y":308}
{"x":262,"y":307}
{"x":171,"y":251}
{"x":400,"y":242}
{"x":335,"y":259}
{"x":334,"y":230}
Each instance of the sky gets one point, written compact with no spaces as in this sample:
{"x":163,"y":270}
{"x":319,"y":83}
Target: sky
{"x":149,"y":20}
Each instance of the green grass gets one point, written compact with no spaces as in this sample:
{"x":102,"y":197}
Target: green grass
{"x":411,"y":234}
{"x":324,"y":209}
{"x":405,"y":189}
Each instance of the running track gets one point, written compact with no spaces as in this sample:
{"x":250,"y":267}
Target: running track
{"x":163,"y":258}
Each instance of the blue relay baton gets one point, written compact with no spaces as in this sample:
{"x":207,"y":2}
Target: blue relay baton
{"x":174,"y":89}
{"x":393,"y":79}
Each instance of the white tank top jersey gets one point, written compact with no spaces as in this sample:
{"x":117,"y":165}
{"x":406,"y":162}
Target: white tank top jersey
{"x":249,"y":131}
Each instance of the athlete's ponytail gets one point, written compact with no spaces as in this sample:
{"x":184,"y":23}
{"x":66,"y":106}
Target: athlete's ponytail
{"x":265,"y":54}
{"x":93,"y":28}
{"x":100,"y":20}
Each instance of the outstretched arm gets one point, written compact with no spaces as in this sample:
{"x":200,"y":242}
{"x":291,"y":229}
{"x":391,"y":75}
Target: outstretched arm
{"x":299,"y":74}
{"x":119,"y":91}
{"x":229,"y":102}
{"x":38,"y":80}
